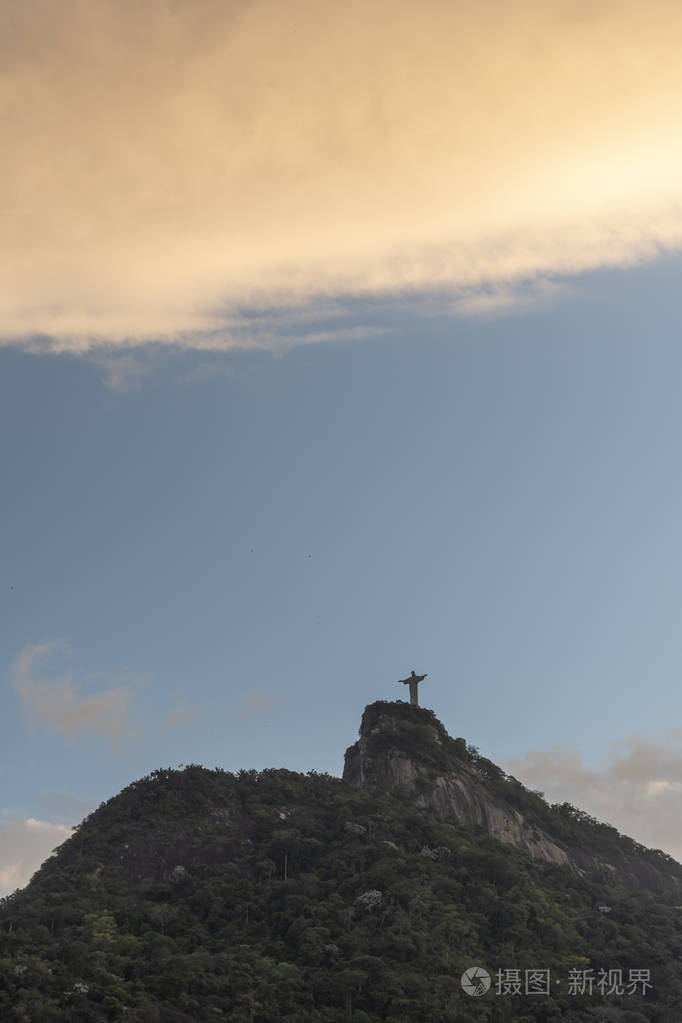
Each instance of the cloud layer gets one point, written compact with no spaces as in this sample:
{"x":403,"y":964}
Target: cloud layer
{"x":172,"y":163}
{"x":638,"y":790}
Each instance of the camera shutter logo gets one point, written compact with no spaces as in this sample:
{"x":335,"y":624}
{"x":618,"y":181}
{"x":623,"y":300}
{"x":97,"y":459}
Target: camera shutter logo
{"x":475,"y":981}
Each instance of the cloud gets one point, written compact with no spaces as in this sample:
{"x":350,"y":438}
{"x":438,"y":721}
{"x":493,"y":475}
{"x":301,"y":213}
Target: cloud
{"x":122,"y":371}
{"x":638,"y":790}
{"x":58,"y":702}
{"x":503,"y":300}
{"x":256,"y":702}
{"x":172,"y":166}
{"x":181,"y":715}
{"x":25,"y":843}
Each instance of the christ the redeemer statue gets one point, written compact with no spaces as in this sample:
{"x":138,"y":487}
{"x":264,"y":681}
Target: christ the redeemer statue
{"x":413,"y":682}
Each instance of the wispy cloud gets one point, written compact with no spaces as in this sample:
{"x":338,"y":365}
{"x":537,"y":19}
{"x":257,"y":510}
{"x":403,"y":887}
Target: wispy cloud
{"x":181,"y":714}
{"x":638,"y":789}
{"x":25,"y":843}
{"x":256,"y":702}
{"x":170,"y":165}
{"x":57,"y":700}
{"x":502,"y":300}
{"x":123,"y":371}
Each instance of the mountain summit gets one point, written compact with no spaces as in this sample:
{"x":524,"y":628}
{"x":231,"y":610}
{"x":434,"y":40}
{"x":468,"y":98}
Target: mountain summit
{"x":404,"y":749}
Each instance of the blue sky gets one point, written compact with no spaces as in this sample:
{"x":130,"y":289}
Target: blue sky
{"x":338,"y":341}
{"x":245,"y":550}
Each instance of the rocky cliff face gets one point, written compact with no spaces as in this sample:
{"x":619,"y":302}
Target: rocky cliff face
{"x":406,"y":750}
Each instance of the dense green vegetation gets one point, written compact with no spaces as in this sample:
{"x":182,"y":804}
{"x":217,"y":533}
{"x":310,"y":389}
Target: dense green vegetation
{"x":274,"y":896}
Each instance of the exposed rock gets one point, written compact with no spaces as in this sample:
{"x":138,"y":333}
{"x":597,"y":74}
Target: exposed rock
{"x":405,"y":749}
{"x":370,"y":899}
{"x":439,"y":853}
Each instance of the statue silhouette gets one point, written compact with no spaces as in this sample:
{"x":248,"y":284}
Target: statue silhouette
{"x":413,"y":682}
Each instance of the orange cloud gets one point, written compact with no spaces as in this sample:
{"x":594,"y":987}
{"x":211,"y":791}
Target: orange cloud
{"x":170,"y":163}
{"x":59,"y":702}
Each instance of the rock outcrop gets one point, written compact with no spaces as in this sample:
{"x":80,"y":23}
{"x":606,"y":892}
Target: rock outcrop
{"x":405,"y":750}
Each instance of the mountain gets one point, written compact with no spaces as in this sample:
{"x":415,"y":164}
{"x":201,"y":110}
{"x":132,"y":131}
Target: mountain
{"x":408,"y":751}
{"x":269,"y":896}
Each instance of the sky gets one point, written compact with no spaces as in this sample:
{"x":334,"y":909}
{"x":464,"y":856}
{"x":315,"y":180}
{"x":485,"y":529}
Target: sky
{"x":339,"y":340}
